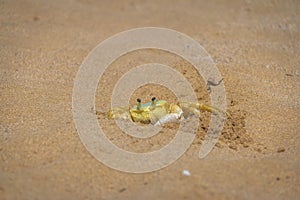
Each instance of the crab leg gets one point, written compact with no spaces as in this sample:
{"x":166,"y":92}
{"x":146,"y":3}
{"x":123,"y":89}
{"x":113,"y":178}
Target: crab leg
{"x":119,"y":113}
{"x":197,"y":107}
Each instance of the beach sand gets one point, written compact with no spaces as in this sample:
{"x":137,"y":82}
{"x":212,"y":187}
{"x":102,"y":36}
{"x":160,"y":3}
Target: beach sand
{"x":256,"y":47}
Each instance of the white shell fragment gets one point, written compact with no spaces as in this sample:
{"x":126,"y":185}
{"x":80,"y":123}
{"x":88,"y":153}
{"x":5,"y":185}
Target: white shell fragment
{"x":186,"y":172}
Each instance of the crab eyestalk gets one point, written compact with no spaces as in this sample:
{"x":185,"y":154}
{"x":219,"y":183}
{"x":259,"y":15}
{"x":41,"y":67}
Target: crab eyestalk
{"x":138,"y":104}
{"x":153,"y":100}
{"x":153,"y":103}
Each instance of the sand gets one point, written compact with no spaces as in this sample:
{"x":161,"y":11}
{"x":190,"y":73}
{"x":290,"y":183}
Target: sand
{"x":255,"y":46}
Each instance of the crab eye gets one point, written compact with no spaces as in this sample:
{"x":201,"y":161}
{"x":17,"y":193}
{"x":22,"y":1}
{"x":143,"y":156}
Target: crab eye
{"x":153,"y":99}
{"x":139,"y":100}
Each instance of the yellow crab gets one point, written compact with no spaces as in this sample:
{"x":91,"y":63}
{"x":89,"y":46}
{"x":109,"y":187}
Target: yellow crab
{"x":159,"y":112}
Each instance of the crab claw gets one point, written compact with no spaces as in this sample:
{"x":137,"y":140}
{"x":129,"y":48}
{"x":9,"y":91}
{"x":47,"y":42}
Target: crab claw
{"x":175,"y":115}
